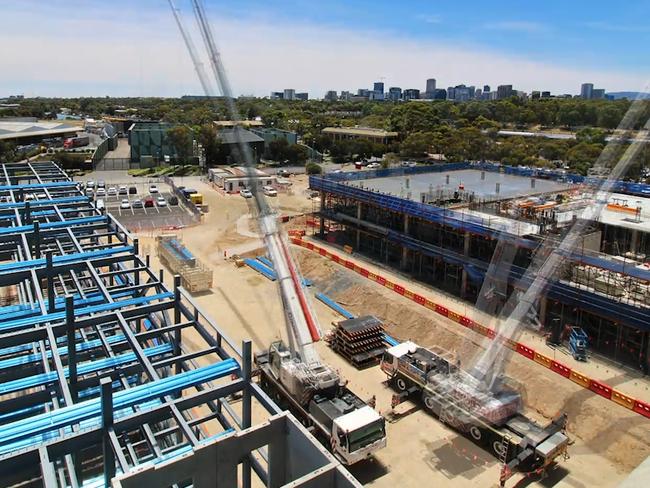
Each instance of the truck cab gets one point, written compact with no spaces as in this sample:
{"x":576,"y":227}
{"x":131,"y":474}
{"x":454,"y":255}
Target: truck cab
{"x":358,"y":434}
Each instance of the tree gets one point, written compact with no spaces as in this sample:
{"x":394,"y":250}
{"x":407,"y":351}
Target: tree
{"x":181,"y":138}
{"x":313,"y":169}
{"x":416,"y":145}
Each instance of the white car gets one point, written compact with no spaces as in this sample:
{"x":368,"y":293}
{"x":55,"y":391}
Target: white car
{"x":153,"y":189}
{"x":374,"y":166}
{"x":269,"y":191}
{"x":122,"y":190}
{"x":101,"y":192}
{"x":161,"y":202}
{"x":246,"y":193}
{"x":112,"y":191}
{"x":124,"y":204}
{"x":99,"y":204}
{"x":90,"y":184}
{"x":89,"y":193}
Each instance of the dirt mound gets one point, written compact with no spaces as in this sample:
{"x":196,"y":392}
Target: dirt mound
{"x":619,"y":435}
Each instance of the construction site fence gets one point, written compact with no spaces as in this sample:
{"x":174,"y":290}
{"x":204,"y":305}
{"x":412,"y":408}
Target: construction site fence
{"x":597,"y":387}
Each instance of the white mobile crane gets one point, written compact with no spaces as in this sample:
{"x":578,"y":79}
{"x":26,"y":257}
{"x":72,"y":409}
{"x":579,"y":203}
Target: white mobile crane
{"x":295,"y":375}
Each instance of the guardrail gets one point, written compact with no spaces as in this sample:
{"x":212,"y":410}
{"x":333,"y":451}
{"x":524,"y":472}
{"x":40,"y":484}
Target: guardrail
{"x":597,"y":387}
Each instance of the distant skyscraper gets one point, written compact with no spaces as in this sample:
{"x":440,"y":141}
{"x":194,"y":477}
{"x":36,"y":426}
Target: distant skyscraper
{"x":394,"y":93}
{"x":330,"y":96}
{"x":587,"y":91}
{"x":289,"y":94}
{"x":411,"y":94}
{"x":486,"y":88}
{"x":378,"y":87}
{"x":277,"y":95}
{"x":451,"y":93}
{"x":363,"y":92}
{"x":346,"y":95}
{"x":472,"y":91}
{"x":302,"y":96}
{"x":598,"y":93}
{"x":546,"y":94}
{"x":440,"y":94}
{"x":504,"y":91}
{"x":430,"y":92}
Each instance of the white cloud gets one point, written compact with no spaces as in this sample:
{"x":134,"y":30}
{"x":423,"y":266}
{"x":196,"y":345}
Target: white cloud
{"x":146,"y":56}
{"x":518,"y":26}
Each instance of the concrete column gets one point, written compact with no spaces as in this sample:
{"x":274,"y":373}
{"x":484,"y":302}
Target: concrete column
{"x":634,"y":241}
{"x":322,"y":219}
{"x":543,"y":304}
{"x":405,"y":251}
{"x":358,"y":245}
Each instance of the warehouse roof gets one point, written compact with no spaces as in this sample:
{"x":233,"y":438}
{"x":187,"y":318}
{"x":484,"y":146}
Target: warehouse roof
{"x":17,"y":130}
{"x":243,"y":123}
{"x":227,"y":136}
{"x":359,"y":131}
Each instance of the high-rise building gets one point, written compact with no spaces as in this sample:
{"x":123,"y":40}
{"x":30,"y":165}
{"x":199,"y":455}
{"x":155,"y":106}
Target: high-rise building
{"x":363,"y":92}
{"x":451,"y":93}
{"x":289,"y":94}
{"x":440,"y":94}
{"x":486,"y":88}
{"x":378,"y":87}
{"x":472,"y":91}
{"x":478,"y":94}
{"x":346,"y":95}
{"x":430,"y":91}
{"x":394,"y":93}
{"x":277,"y":95}
{"x":535,"y":95}
{"x":411,"y":94}
{"x":330,"y":96}
{"x":546,"y":94}
{"x":302,"y":96}
{"x":598,"y":94}
{"x":587,"y":91}
{"x":504,"y":91}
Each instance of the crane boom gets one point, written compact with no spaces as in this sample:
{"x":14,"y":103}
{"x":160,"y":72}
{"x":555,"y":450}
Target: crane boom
{"x":301,"y":324}
{"x":198,"y":65}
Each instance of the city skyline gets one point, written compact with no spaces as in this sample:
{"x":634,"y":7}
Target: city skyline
{"x":137,"y":50}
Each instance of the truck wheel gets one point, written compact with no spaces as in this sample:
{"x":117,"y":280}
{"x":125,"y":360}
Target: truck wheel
{"x":475,"y":433}
{"x":498,"y":447}
{"x":401,"y":384}
{"x":429,"y":402}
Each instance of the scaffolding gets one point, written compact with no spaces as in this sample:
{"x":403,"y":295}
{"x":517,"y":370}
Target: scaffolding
{"x":98,"y":385}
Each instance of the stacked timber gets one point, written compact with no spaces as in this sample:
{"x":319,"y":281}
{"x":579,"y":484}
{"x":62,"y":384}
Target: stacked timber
{"x":359,"y":340}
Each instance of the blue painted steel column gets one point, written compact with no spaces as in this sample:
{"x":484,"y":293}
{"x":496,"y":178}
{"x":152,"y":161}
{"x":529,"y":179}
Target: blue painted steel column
{"x":177,"y":319}
{"x":37,"y":240}
{"x":50,"y":281}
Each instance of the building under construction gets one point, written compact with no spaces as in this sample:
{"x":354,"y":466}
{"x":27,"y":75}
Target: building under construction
{"x":99,"y":385}
{"x":442,"y":225}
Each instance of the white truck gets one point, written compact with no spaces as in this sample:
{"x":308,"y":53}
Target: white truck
{"x":350,"y":428}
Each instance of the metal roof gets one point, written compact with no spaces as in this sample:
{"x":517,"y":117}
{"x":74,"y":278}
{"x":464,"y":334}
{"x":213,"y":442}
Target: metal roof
{"x":17,"y":130}
{"x":227,"y":136}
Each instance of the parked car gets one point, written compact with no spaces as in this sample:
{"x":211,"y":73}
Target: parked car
{"x":269,"y":191}
{"x":133,"y":190}
{"x":137,"y":204}
{"x":148,"y":202}
{"x":101,"y":184}
{"x":374,"y":166}
{"x":246,"y":193}
{"x":99,"y":204}
{"x":112,"y":191}
{"x":153,"y":189}
{"x":122,"y":190}
{"x":173,"y":200}
{"x":161,"y":202}
{"x":101,"y":192}
{"x":125,"y":204}
{"x":89,"y":193}
{"x":90,"y":184}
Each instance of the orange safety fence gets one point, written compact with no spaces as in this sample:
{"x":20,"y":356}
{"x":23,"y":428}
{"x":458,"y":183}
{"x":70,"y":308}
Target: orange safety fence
{"x":595,"y":386}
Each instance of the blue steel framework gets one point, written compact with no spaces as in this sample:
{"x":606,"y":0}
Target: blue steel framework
{"x":343,"y":204}
{"x":95,"y":378}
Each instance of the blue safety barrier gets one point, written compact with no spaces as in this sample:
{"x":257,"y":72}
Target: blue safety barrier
{"x":29,"y":432}
{"x":58,"y":316}
{"x":82,"y":369}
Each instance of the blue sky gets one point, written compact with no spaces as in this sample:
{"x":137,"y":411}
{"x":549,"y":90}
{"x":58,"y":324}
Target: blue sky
{"x":134,"y":48}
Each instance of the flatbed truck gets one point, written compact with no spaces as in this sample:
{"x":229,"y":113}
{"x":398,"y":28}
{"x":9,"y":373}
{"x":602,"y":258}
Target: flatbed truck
{"x":350,"y":428}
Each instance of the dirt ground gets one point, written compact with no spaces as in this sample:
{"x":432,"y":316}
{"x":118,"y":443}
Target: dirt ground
{"x":609,"y":441}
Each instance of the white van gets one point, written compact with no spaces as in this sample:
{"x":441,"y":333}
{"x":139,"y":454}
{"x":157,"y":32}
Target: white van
{"x":99,"y":204}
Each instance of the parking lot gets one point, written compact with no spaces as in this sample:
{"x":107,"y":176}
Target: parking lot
{"x":148,"y":216}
